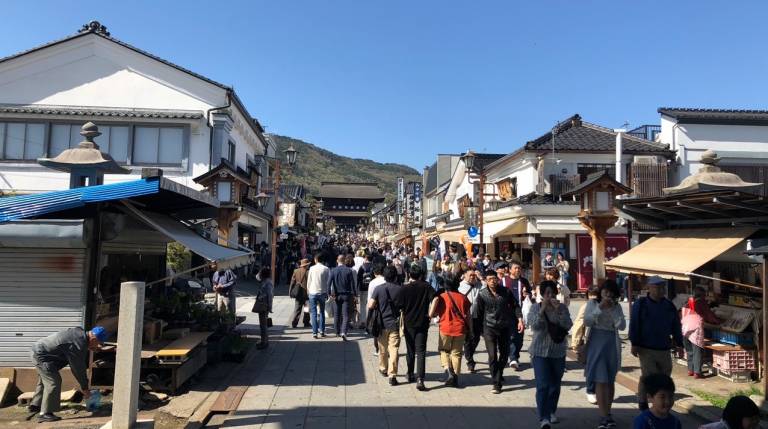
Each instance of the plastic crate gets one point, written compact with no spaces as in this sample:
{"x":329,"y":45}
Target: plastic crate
{"x":735,"y":360}
{"x":737,"y":339}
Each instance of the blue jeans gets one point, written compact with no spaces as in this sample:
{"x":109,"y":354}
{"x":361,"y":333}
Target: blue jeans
{"x":515,"y":342}
{"x":549,"y":374}
{"x":315,"y":300}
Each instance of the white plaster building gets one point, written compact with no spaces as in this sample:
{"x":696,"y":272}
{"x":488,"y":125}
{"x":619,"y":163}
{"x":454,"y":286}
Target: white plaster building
{"x":532,"y":218}
{"x":740,"y":138}
{"x":152,"y":113}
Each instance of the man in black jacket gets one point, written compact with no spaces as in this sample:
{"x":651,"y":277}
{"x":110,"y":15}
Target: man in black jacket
{"x":498,"y":309}
{"x":343,"y":290}
{"x":414,"y":300}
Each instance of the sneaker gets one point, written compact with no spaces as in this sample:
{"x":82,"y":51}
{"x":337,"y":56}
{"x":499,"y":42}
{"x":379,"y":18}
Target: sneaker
{"x":553,"y":419}
{"x":610,"y":423}
{"x":496,"y":390}
{"x":48,"y":417}
{"x":34,"y":409}
{"x":591,"y":398}
{"x":471,"y":366}
{"x":344,"y":337}
{"x":420,"y":385}
{"x":690,"y":373}
{"x":697,"y":375}
{"x":314,"y":336}
{"x":375,"y":352}
{"x":544,"y":424}
{"x":514,"y":364}
{"x":393,"y":381}
{"x":322,"y":335}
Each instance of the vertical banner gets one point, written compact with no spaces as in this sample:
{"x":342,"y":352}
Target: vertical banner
{"x":400,"y":194}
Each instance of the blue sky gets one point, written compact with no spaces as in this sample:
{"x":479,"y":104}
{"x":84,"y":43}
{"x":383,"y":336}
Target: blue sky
{"x":399,"y":81}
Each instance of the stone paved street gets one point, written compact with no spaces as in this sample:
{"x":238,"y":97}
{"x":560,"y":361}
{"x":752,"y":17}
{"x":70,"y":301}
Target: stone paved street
{"x":306,"y":383}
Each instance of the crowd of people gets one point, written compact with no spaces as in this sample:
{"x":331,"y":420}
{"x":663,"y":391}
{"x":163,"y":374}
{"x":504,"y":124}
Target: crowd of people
{"x":397,"y":293}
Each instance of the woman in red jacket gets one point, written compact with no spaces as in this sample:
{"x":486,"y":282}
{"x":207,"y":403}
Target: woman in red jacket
{"x":694,"y":315}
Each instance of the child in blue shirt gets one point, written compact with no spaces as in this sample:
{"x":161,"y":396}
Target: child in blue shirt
{"x":660,"y":392}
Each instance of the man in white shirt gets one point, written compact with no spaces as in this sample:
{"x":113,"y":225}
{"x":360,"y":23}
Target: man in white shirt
{"x":317,"y":288}
{"x":470,"y":287}
{"x":378,"y":270}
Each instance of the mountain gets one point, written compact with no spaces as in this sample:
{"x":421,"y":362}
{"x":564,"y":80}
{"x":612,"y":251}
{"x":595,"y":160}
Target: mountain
{"x":315,"y":165}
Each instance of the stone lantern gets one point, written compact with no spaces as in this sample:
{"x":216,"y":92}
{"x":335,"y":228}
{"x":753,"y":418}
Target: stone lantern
{"x":86,"y":163}
{"x":597,"y":194}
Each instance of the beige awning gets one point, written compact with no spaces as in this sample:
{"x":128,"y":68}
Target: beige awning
{"x":454,"y":235}
{"x":501,"y":227}
{"x":675,"y":253}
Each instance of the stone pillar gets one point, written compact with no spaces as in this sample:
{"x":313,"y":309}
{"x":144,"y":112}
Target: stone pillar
{"x":598,"y":257}
{"x":222,"y":126}
{"x":130,"y":326}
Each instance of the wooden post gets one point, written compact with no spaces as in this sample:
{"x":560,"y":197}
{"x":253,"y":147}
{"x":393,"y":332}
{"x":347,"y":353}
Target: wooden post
{"x":765,"y":331}
{"x":481,"y":198}
{"x":536,"y":261}
{"x":276,"y":193}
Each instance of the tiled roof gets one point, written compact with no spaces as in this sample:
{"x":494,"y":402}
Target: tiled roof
{"x":592,"y":178}
{"x":483,"y":159}
{"x":575,"y":135}
{"x":368,"y":191}
{"x":41,"y":109}
{"x":736,"y":116}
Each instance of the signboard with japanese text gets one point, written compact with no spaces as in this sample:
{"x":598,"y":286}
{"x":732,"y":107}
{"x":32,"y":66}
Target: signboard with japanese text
{"x":614,"y":246}
{"x":400,"y":194}
{"x":287,"y":215}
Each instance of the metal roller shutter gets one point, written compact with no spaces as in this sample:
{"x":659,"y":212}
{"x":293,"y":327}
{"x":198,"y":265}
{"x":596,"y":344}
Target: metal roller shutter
{"x":42,"y":292}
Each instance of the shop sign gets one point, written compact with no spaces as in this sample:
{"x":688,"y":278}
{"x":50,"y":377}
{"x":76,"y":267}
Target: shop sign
{"x":287,"y":215}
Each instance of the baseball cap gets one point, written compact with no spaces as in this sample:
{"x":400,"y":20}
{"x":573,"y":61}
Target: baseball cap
{"x":100,"y":333}
{"x":656,"y":281}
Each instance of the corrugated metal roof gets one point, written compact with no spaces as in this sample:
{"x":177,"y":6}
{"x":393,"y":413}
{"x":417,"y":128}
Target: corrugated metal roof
{"x":29,"y":206}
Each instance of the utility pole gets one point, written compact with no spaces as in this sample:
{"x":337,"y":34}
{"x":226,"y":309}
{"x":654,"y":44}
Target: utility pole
{"x":273,"y":263}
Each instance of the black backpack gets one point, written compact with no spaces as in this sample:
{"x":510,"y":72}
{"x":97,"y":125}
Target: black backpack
{"x":367,"y":276}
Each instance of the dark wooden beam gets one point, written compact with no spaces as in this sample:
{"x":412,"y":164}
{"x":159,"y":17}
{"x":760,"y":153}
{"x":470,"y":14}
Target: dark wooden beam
{"x":739,"y":205}
{"x":700,"y":208}
{"x":672,"y":211}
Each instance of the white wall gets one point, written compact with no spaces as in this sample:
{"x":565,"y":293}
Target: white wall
{"x":734,"y":144}
{"x":93,"y":72}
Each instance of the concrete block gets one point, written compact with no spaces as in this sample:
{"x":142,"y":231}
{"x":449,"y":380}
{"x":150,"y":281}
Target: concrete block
{"x":125,"y":404}
{"x":25,"y":398}
{"x":69,"y":396}
{"x":5,"y":386}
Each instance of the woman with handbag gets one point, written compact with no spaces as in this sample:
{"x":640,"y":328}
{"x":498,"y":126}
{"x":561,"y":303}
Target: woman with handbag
{"x":579,"y":341}
{"x":263,"y":305}
{"x":605,"y":319}
{"x":550,"y":321}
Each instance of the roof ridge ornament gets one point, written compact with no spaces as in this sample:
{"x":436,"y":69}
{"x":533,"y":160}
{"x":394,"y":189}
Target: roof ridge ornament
{"x":94,"y":27}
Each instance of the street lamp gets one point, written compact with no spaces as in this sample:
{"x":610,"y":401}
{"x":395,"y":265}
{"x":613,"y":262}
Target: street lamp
{"x":290,"y":155}
{"x":469,"y":160}
{"x":261,"y":199}
{"x":475,"y":213}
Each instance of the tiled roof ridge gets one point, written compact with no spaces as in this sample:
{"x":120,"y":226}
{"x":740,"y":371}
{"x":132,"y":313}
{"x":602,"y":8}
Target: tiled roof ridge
{"x":626,"y":135}
{"x":709,"y":110}
{"x":98,"y":111}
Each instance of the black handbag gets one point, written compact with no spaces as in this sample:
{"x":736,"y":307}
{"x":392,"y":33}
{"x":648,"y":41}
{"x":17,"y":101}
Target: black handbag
{"x":556,"y":332}
{"x":374,"y":324}
{"x":260,"y":305}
